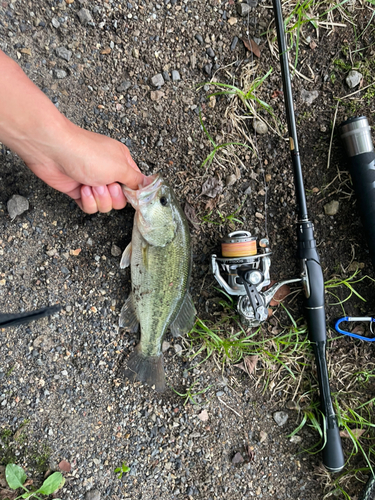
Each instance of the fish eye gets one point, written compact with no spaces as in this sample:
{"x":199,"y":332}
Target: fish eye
{"x":164,"y":201}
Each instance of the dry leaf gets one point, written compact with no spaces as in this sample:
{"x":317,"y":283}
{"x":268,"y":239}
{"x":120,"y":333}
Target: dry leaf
{"x":210,"y":205}
{"x":75,"y":252}
{"x":203,"y":416}
{"x":249,"y":364}
{"x":3,"y":483}
{"x":106,"y":51}
{"x":356,"y":432}
{"x":251,"y":46}
{"x":280,"y":295}
{"x":212,"y":187}
{"x":190,"y":214}
{"x":7,"y":494}
{"x":276,"y":94}
{"x":313,"y":45}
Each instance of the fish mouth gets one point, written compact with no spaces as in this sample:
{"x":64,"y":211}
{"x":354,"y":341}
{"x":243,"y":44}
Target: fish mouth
{"x":145,"y":193}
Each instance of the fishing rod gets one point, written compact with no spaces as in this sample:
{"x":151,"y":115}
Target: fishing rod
{"x":311,"y":271}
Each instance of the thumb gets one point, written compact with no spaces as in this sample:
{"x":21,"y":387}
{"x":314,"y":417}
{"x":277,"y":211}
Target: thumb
{"x":129,"y":174}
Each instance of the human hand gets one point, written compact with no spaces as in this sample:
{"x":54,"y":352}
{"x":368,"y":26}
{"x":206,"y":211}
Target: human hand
{"x":88,"y":167}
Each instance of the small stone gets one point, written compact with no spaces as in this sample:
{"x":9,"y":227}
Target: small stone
{"x":175,"y":76}
{"x":92,"y":495}
{"x":280,"y":417}
{"x":210,"y":52}
{"x":55,"y":22}
{"x":156,"y":95}
{"x":292,"y":405}
{"x":165,"y":346}
{"x":60,"y":73}
{"x":232,"y":20}
{"x":237,"y":459}
{"x":262,"y":436}
{"x":157,"y":80}
{"x":243,"y":9}
{"x":208,"y":68}
{"x":260,"y":127}
{"x":124,"y":86}
{"x":166,"y":76}
{"x":353,"y":79}
{"x":230,"y":180}
{"x":65,"y":466}
{"x":199,"y":38}
{"x":178,"y":349}
{"x":84,"y":16}
{"x":234,"y":43}
{"x":115,"y":250}
{"x":17,"y":205}
{"x":295,"y":439}
{"x":309,"y":96}
{"x":135,"y":53}
{"x":332,"y":207}
{"x":63,"y":53}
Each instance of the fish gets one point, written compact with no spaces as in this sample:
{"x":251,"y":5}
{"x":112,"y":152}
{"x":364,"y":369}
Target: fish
{"x":160,"y":260}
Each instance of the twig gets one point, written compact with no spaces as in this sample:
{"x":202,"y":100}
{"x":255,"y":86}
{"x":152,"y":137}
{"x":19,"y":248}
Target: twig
{"x":356,"y":92}
{"x":225,"y":404}
{"x":333,"y":131}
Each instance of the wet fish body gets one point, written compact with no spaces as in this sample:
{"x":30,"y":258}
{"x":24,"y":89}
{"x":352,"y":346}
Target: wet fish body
{"x":160,"y":260}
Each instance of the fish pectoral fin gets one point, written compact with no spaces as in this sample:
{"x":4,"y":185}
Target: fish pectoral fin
{"x":185,"y":318}
{"x":126,"y":256}
{"x":147,"y":369}
{"x":128,"y":316}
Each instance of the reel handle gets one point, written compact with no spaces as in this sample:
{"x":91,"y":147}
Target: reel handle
{"x":356,"y":136}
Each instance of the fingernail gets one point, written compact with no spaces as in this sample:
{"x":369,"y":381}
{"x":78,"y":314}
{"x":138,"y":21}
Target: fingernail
{"x":114,"y":190}
{"x":86,"y":190}
{"x":99,"y":190}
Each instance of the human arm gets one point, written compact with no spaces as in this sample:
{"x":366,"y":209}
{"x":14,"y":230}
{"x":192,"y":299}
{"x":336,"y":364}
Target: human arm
{"x":86,"y":166}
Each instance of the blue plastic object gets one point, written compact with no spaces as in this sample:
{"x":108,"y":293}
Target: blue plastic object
{"x":357,"y":319}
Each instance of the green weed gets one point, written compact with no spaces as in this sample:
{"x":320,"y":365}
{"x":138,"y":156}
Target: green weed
{"x":122,"y":470}
{"x":16,"y":477}
{"x":190,"y":395}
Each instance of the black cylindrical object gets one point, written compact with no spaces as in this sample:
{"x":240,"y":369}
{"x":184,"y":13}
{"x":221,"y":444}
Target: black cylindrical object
{"x":356,"y":136}
{"x":312,"y":275}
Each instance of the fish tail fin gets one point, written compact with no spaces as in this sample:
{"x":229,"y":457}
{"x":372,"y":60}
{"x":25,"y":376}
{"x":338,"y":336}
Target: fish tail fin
{"x":147,"y":369}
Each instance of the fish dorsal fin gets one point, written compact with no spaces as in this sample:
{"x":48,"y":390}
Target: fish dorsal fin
{"x":128,"y":317}
{"x":185,"y":318}
{"x":126,"y":256}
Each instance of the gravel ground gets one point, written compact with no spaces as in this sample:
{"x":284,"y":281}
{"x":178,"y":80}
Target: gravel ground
{"x":130,"y":70}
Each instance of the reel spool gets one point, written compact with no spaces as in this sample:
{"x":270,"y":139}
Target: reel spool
{"x":243,"y":270}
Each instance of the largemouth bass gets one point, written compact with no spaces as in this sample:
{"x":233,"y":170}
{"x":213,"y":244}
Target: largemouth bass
{"x":159,"y":256}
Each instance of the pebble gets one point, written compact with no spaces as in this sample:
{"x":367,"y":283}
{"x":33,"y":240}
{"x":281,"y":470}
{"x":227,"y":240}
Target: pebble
{"x":157,"y":80}
{"x":262,"y":436}
{"x":60,"y":73}
{"x":210,"y":52}
{"x":232,"y":21}
{"x":293,"y":405}
{"x":165,"y":346}
{"x":17,"y":205}
{"x":309,"y":96}
{"x":84,"y":16}
{"x":166,"y":76}
{"x":332,"y":207}
{"x":156,"y":95}
{"x":295,"y":439}
{"x":233,"y":45}
{"x":92,"y":495}
{"x":55,"y":22}
{"x":178,"y":349}
{"x":199,"y":38}
{"x":115,"y":250}
{"x":243,"y":9}
{"x":353,"y":79}
{"x":175,"y":76}
{"x":208,"y":68}
{"x":230,"y":180}
{"x":237,"y":459}
{"x":124,"y":86}
{"x":260,"y":127}
{"x":63,"y":53}
{"x":280,"y":417}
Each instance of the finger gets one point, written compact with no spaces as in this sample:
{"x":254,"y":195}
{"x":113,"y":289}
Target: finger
{"x":103,"y":198}
{"x":87,"y":202}
{"x":118,"y":198}
{"x":130,"y":175}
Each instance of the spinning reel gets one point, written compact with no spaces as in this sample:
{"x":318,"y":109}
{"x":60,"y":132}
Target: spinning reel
{"x":244,"y":270}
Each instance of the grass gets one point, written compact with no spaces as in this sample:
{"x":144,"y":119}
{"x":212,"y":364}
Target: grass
{"x":224,"y":219}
